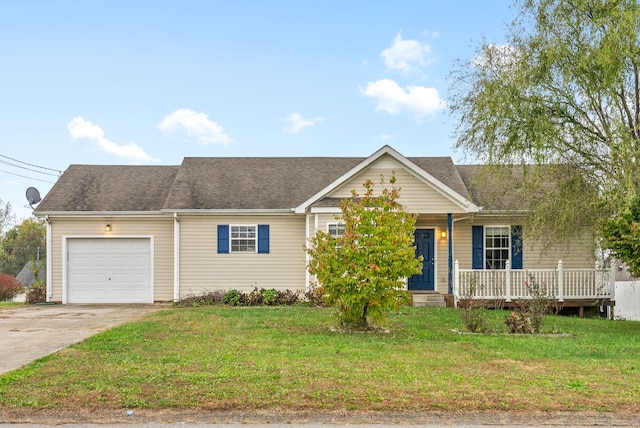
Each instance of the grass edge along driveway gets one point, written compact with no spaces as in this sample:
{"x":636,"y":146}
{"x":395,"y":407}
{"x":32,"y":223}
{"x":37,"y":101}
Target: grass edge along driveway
{"x":223,"y":358}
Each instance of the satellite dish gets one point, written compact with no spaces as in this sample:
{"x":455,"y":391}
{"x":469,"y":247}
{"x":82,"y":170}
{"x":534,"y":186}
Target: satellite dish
{"x":33,"y":196}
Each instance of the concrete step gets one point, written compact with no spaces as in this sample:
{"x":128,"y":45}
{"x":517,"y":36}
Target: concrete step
{"x":429,"y":299}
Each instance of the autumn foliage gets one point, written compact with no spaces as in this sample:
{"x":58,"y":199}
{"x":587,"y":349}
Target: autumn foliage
{"x":362,"y":273}
{"x":9,"y":286}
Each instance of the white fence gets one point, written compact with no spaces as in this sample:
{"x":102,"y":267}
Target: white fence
{"x":627,"y":301}
{"x":513,"y":284}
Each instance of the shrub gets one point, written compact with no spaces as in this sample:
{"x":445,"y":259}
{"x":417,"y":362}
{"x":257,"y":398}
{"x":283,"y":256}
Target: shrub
{"x":472,"y":314}
{"x":287,"y":297}
{"x":208,"y":298}
{"x":254,"y":298}
{"x":233,"y":298}
{"x":472,"y":311}
{"x":257,"y":297}
{"x":314,"y":296}
{"x":529,"y":314}
{"x":9,"y":286}
{"x":269,"y":296}
{"x":36,"y":295}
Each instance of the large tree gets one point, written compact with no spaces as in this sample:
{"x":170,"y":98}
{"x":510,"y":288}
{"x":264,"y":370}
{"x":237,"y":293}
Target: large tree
{"x":363,"y":271}
{"x":561,"y":101}
{"x":22,"y":243}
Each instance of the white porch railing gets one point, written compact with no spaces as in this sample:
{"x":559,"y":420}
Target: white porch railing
{"x":513,"y":284}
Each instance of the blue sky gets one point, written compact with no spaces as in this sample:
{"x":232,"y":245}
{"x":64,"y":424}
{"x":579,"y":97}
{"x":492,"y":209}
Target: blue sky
{"x":150,"y":82}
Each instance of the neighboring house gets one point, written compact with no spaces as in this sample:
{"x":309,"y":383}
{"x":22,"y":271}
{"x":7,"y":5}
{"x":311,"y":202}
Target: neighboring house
{"x":26,"y":276}
{"x":155,"y":233}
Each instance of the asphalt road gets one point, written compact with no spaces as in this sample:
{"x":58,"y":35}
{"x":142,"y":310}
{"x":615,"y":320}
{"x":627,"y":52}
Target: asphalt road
{"x":196,"y":418}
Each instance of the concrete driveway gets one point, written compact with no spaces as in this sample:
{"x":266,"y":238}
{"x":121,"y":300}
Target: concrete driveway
{"x":31,"y":332}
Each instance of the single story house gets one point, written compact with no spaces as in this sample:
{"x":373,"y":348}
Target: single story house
{"x":144,"y":234}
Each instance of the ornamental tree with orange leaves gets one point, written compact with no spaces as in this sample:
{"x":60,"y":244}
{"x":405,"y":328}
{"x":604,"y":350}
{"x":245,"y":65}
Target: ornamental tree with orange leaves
{"x":363,"y":272}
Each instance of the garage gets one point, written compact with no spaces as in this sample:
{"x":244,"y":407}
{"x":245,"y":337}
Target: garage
{"x":109,"y":270}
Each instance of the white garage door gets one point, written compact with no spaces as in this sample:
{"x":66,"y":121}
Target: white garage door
{"x":108,"y":270}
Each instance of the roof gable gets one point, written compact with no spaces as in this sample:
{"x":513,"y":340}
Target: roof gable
{"x":444,"y":167}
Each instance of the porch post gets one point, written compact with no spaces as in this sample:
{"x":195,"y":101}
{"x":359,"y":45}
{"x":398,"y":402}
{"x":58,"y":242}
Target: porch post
{"x":612,"y":281}
{"x":456,"y":284}
{"x":560,"y":282}
{"x":507,"y":272}
{"x":450,"y":243}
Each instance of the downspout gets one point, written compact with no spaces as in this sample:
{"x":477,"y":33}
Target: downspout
{"x":176,"y":258}
{"x":307,"y":275}
{"x":49,"y":273}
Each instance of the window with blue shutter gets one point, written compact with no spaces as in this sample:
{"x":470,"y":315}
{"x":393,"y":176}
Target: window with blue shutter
{"x":516,"y":247}
{"x":477,"y":236}
{"x":493,"y":245}
{"x":223,"y":238}
{"x":263,"y":238}
{"x":243,"y":239}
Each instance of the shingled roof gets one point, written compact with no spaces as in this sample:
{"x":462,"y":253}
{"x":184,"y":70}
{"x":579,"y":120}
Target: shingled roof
{"x":249,"y":183}
{"x":252,"y":183}
{"x":107,"y":188}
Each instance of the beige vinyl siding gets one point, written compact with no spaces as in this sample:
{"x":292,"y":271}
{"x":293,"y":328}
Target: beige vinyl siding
{"x":203,"y":269}
{"x":323,"y":221}
{"x":576,"y":254}
{"x":415,"y":194}
{"x":160,"y":228}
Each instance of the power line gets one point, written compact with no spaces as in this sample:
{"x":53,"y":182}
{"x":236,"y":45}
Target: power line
{"x":30,"y":164}
{"x":28,"y":169}
{"x":24,"y":176}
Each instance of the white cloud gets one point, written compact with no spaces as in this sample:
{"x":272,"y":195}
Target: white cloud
{"x":195,"y":125}
{"x":79,"y":128}
{"x":418,"y":101}
{"x":298,"y":122}
{"x":501,"y":57}
{"x":406,"y":56}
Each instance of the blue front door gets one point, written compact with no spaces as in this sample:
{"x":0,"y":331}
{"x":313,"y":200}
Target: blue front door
{"x":424,"y":239}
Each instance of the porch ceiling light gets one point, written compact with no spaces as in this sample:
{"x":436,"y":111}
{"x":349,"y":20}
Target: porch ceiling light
{"x":107,"y":228}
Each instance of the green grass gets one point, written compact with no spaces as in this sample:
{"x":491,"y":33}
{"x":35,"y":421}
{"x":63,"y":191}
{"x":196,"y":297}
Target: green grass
{"x":5,"y":305}
{"x":287,"y":358}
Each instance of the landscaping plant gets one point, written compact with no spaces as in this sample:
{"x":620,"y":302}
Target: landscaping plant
{"x":529,"y":314}
{"x":9,"y":286}
{"x":362,"y":271}
{"x":472,"y":311}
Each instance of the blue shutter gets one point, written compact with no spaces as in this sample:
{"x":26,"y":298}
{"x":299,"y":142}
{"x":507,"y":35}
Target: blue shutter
{"x":477,"y":245}
{"x":263,"y":238}
{"x":516,"y":247}
{"x":223,"y":238}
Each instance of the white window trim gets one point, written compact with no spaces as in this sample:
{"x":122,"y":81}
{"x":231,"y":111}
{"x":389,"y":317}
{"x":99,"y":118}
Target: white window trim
{"x":231,"y":226}
{"x":334,"y":223}
{"x":484,"y":237}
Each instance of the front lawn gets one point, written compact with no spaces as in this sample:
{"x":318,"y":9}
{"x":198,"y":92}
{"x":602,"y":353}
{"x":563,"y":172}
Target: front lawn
{"x":287,"y":358}
{"x":5,"y":305}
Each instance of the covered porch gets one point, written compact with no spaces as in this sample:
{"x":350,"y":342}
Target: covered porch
{"x":567,"y":287}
